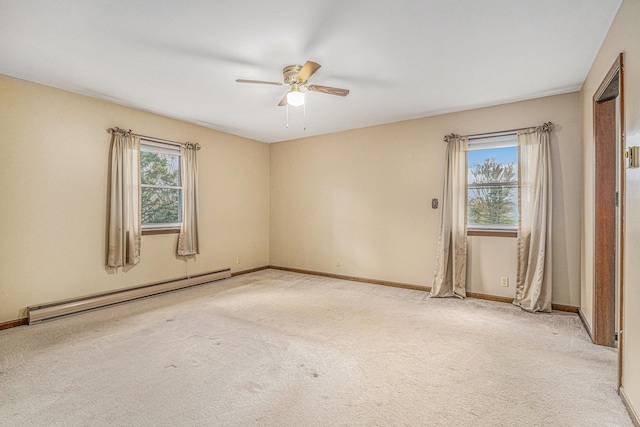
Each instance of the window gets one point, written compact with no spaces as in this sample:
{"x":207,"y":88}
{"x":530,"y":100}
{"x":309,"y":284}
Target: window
{"x":161,"y":190}
{"x":492,"y":185}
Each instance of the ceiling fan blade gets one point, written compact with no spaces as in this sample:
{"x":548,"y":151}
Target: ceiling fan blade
{"x":307,"y":71}
{"x":262,"y":82}
{"x":283,"y":102}
{"x":329,"y":90}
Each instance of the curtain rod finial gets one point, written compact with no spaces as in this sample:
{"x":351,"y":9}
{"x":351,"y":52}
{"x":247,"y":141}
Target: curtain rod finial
{"x":451,"y":137}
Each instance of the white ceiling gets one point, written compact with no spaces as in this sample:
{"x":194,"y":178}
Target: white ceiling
{"x":401,"y":59}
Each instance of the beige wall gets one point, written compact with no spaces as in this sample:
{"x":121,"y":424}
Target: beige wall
{"x":364,"y":197}
{"x":53,"y":198}
{"x":490,"y":259}
{"x":624,"y":36}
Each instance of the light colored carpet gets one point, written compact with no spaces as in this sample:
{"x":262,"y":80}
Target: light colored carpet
{"x":274,"y":348}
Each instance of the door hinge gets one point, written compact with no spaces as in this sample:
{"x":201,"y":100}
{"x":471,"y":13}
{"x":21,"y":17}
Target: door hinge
{"x":617,"y":198}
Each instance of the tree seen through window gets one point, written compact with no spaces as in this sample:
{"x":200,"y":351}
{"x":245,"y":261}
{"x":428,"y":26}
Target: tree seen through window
{"x":492,"y":188}
{"x":160,"y":187}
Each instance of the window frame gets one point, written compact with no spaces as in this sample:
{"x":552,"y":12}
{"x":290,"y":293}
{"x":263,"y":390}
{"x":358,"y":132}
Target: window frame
{"x":488,"y":142}
{"x":161,"y":228}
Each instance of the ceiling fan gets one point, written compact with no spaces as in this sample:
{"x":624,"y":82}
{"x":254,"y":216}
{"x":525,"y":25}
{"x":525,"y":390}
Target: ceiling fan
{"x":296,"y":77}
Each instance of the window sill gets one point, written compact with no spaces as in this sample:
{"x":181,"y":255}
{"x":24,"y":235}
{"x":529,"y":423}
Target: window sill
{"x":493,"y":233}
{"x":153,"y":231}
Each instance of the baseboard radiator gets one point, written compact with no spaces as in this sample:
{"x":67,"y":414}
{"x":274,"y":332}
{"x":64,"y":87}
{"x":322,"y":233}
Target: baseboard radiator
{"x":39,"y":313}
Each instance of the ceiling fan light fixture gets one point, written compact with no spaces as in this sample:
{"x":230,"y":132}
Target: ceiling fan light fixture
{"x":295,"y":98}
{"x":296,"y":76}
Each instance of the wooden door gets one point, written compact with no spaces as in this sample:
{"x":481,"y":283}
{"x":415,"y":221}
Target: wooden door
{"x":605,"y":223}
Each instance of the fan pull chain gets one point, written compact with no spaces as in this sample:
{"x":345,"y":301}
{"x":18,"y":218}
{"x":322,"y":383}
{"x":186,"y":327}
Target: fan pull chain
{"x":287,"y":116}
{"x":304,"y":120}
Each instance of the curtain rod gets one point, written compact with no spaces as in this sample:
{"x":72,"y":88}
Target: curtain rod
{"x":148,"y":138}
{"x":545,"y":127}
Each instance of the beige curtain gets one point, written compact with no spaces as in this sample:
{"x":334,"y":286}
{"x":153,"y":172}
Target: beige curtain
{"x":451,"y":263}
{"x":533,"y":282}
{"x":124,"y":207}
{"x":188,"y":239}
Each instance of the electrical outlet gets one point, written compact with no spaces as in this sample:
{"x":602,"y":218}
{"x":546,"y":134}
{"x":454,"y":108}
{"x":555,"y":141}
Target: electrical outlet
{"x":238,"y":260}
{"x":338,"y":262}
{"x":504,"y":282}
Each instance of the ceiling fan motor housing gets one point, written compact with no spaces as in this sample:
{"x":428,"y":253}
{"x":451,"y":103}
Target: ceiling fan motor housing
{"x":290,"y":73}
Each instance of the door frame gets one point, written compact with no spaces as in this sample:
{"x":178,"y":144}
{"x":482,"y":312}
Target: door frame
{"x":602,"y":94}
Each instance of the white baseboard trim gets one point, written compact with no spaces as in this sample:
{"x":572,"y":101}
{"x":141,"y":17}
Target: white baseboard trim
{"x":632,"y":412}
{"x":585,"y":323}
